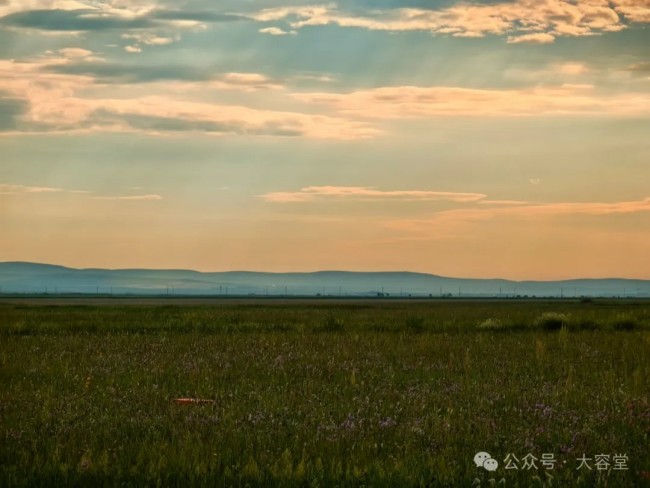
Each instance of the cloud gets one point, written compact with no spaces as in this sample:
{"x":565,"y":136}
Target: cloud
{"x":73,"y":21}
{"x":520,"y":20}
{"x":131,"y":197}
{"x":129,"y":72}
{"x":552,"y":74}
{"x":7,"y":189}
{"x":276,"y":31}
{"x":70,"y":16}
{"x":153,"y":124}
{"x":502,"y":202}
{"x":195,"y":16}
{"x":140,"y":39}
{"x":463,"y":216}
{"x":537,"y":38}
{"x":523,"y":20}
{"x":571,"y":68}
{"x":121,"y":73}
{"x":11,"y":111}
{"x":75,"y":53}
{"x":313,"y":193}
{"x":10,"y":189}
{"x":634,"y":10}
{"x":144,"y":22}
{"x":56,"y":102}
{"x":415,"y":102}
{"x":247,"y":81}
{"x":641,"y":68}
{"x":318,"y":78}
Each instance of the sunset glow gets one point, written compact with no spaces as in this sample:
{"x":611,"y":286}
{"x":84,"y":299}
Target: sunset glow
{"x":472,"y":139}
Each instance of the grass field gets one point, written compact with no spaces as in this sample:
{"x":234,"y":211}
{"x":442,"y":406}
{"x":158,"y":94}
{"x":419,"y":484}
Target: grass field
{"x":324,"y":393}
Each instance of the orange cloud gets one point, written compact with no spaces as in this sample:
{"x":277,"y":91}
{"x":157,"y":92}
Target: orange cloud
{"x":56,"y":103}
{"x":118,"y":8}
{"x":131,"y":197}
{"x":537,"y":38}
{"x":312,"y":193}
{"x":457,"y":218}
{"x":7,"y":189}
{"x":634,"y":10}
{"x":524,"y":20}
{"x":275,"y":31}
{"x":414,"y":101}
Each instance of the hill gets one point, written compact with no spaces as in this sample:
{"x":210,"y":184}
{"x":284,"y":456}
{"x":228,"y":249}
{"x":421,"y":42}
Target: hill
{"x":24,"y":277}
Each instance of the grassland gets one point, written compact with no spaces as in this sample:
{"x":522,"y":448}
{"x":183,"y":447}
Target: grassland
{"x":323,"y":394}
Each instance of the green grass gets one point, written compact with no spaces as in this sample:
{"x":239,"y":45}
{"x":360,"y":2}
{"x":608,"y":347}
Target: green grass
{"x":334,"y":394}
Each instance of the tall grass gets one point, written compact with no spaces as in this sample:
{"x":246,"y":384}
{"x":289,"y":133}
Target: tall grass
{"x":358,"y":395}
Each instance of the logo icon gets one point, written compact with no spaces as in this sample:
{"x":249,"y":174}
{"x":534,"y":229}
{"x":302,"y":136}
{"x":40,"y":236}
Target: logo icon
{"x":485,"y":461}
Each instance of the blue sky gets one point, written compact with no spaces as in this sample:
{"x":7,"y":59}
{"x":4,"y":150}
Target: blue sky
{"x":348,"y":135}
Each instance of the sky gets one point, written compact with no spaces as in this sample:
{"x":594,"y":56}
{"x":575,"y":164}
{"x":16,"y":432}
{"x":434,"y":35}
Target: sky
{"x":471,"y":139}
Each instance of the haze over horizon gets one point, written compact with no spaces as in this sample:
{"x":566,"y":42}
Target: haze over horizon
{"x":505,"y":139}
{"x":43,"y":279}
{"x":307,"y":272}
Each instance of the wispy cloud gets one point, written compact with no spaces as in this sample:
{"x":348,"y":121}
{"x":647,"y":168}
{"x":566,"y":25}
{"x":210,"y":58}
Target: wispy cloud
{"x":461,"y":217}
{"x":642,"y":68}
{"x":149,"y":197}
{"x":11,"y":189}
{"x":523,"y":20}
{"x":276,"y":31}
{"x":415,"y":101}
{"x":47,"y":100}
{"x":153,"y":24}
{"x":7,"y":189}
{"x":77,"y":53}
{"x":314,"y":193}
{"x":142,"y":23}
{"x":537,"y":38}
{"x":246,"y":81}
{"x":140,"y":39}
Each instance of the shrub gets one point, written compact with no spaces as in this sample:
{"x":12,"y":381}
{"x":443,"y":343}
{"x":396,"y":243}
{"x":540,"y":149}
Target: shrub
{"x":551,"y":321}
{"x":490,"y":324}
{"x":624,"y":322}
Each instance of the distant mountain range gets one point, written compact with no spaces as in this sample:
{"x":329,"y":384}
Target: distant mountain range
{"x":34,"y":278}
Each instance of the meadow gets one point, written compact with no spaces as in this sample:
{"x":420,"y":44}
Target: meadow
{"x":324,"y":393}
